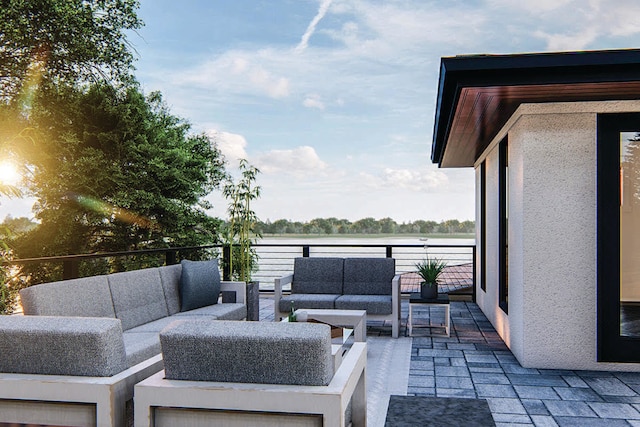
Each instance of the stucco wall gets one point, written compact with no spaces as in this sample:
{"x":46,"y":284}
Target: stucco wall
{"x":552,"y":235}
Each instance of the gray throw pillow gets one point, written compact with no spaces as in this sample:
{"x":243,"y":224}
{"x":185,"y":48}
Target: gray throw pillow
{"x":199,"y":284}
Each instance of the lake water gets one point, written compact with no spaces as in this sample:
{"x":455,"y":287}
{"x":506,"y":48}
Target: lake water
{"x":277,"y":261}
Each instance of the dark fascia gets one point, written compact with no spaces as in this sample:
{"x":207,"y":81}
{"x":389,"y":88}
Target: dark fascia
{"x":568,"y":68}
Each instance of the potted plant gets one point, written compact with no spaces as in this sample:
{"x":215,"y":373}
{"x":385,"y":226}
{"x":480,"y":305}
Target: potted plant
{"x":429,"y":270}
{"x":240,"y":233}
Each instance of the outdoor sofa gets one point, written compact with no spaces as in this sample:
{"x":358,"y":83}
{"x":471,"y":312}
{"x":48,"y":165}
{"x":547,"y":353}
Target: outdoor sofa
{"x":83,"y":343}
{"x":369,"y":284}
{"x":263,"y":373}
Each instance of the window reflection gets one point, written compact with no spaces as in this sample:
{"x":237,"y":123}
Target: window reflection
{"x":630,"y":234}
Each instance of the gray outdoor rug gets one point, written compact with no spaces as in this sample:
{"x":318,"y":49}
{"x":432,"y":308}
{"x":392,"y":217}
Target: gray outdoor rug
{"x":438,"y":412}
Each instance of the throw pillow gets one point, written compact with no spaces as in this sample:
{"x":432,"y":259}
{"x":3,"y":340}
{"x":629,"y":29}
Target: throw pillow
{"x":199,"y":284}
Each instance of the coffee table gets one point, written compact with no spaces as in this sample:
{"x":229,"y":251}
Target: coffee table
{"x":416,"y":300}
{"x":353,"y":319}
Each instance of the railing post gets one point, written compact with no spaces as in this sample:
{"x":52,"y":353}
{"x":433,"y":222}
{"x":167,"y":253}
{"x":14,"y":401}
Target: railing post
{"x":170,"y":257}
{"x":226,"y":267}
{"x":70,"y":269}
{"x":305,"y":251}
{"x":389,"y":251}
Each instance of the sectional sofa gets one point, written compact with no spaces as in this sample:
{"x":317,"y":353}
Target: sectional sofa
{"x":95,"y":337}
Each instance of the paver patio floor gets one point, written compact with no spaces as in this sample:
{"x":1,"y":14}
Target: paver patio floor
{"x":474,"y":362}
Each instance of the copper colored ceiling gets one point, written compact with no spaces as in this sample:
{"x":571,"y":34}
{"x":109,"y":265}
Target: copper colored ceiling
{"x":477,"y":95}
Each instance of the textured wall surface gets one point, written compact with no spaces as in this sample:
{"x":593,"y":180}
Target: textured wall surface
{"x":552,"y":235}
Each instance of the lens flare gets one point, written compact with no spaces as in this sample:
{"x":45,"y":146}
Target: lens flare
{"x":114,"y":212}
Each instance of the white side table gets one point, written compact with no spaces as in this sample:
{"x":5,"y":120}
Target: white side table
{"x":354,"y":319}
{"x":441,"y":301}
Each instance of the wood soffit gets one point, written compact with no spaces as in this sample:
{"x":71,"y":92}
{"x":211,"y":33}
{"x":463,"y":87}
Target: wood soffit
{"x":479,"y":109}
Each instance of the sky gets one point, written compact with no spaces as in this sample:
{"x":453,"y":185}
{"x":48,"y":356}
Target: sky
{"x":333,"y":100}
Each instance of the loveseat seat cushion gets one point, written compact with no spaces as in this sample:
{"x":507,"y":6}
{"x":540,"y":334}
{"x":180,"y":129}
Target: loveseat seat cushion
{"x":138,"y":297}
{"x":170,"y":279}
{"x":140,"y":346}
{"x":248,"y":352}
{"x":85,"y":297}
{"x":374,"y":304}
{"x":226,"y":311}
{"x":368,"y":276}
{"x":58,"y":345}
{"x":317,"y":275}
{"x":307,"y":301}
{"x":199,"y":284}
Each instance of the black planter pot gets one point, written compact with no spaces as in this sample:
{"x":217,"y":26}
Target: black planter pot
{"x":428,"y":291}
{"x":253,"y":301}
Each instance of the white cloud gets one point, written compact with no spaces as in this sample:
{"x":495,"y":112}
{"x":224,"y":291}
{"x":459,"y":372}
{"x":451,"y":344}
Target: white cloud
{"x":232,"y":146}
{"x":301,"y":162}
{"x":415,"y":180}
{"x":313,"y":101}
{"x":304,"y":42}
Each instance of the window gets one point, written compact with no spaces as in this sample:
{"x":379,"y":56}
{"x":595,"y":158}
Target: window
{"x":618,"y":237}
{"x":503,"y":226}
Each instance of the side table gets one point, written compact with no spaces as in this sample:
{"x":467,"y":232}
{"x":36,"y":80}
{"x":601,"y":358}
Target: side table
{"x":416,"y":300}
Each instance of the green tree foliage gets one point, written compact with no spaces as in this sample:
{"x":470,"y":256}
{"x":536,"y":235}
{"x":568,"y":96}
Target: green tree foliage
{"x":116,"y":171}
{"x":47,"y":42}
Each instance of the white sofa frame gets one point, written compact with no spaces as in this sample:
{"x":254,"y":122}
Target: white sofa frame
{"x":160,"y":402}
{"x":71,"y":400}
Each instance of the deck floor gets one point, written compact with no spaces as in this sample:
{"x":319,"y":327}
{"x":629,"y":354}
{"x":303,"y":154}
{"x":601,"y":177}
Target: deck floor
{"x":474,"y":362}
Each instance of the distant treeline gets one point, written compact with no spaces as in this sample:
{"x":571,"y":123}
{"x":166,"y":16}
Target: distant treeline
{"x":364,"y":226}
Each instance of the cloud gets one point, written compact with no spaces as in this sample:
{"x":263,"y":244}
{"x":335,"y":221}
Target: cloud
{"x":313,"y":101}
{"x":416,"y":180}
{"x":304,"y":42}
{"x":301,"y":162}
{"x":232,"y":146}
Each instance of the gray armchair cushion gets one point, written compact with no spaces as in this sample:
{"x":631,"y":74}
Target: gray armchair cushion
{"x":226,"y":311}
{"x":138,"y":297}
{"x":57,"y":345}
{"x":247,"y":352}
{"x":307,"y":301}
{"x":317,"y":275}
{"x":368,"y":276}
{"x":374,"y":304}
{"x":85,"y":297}
{"x":170,"y":278}
{"x":199,"y":284}
{"x":140,"y":346}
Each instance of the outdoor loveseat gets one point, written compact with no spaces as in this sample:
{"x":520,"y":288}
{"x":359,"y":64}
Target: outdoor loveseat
{"x":369,"y":284}
{"x":263,"y":373}
{"x":75,"y":356}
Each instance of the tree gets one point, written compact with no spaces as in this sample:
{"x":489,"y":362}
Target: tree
{"x":114,"y":170}
{"x":49,"y":42}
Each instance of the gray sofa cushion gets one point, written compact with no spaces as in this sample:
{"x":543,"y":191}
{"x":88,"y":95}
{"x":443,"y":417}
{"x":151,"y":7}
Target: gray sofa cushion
{"x":170,"y":278}
{"x":140,"y":346}
{"x":85,"y":297}
{"x":307,"y":301}
{"x":248,"y":352}
{"x":138,"y":297}
{"x":374,"y":304}
{"x":226,"y":311}
{"x":199,"y":284}
{"x":368,"y":276}
{"x":57,"y":345}
{"x":317,"y":275}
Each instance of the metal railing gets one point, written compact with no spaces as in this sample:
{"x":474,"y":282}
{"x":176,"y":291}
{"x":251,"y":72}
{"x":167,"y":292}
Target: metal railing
{"x":276,"y":260}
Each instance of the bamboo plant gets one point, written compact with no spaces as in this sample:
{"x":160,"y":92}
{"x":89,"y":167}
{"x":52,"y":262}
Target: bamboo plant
{"x":240,"y":230}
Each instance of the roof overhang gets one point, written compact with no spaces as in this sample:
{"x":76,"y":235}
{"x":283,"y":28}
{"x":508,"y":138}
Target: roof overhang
{"x":478,"y":94}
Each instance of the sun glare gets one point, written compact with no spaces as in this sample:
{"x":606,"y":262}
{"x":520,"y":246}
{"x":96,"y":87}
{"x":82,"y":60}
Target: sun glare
{"x":9,"y":174}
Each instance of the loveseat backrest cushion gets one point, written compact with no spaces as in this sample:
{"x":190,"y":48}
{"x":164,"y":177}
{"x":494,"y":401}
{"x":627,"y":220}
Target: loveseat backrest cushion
{"x":368,"y":276}
{"x":85,"y":297}
{"x":138,"y":297}
{"x":170,"y":278}
{"x":318,"y":275}
{"x":58,"y":345}
{"x":248,"y":352}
